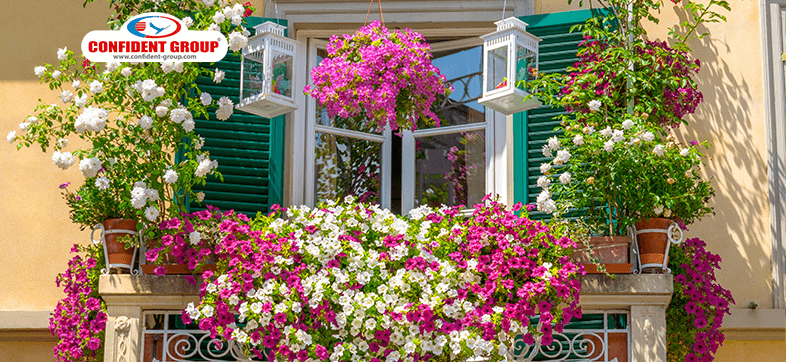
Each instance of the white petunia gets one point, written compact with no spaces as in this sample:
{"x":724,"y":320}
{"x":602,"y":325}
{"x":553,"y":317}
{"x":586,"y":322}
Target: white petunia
{"x":218,"y":76}
{"x":102,"y":183}
{"x":126,"y":72}
{"x":608,"y":146}
{"x":56,"y":74}
{"x":11,"y":137}
{"x":544,"y":182}
{"x":145,"y":122}
{"x":627,"y":124}
{"x":594,"y":105}
{"x":66,"y":96}
{"x":237,"y":41}
{"x":96,"y":87}
{"x":170,"y":176}
{"x":39,"y":71}
{"x":64,"y":160}
{"x":578,"y":140}
{"x":564,"y":178}
{"x":188,"y":22}
{"x":195,"y":237}
{"x":684,"y":152}
{"x":205,"y":98}
{"x":151,"y":213}
{"x":61,"y":53}
{"x":658,"y":150}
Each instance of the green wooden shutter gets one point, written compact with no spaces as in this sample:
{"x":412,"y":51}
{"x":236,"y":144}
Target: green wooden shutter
{"x":249,"y":149}
{"x":531,"y":129}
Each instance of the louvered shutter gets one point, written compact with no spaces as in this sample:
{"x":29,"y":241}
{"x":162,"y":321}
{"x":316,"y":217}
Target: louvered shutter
{"x":532,"y":128}
{"x":249,"y":149}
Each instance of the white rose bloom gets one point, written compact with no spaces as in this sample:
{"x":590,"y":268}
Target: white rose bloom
{"x":209,"y":3}
{"x":96,"y":87}
{"x":200,"y":196}
{"x":658,"y":150}
{"x":206,"y":166}
{"x":684,"y":152}
{"x":138,"y":197}
{"x":32,"y":119}
{"x":126,"y":72}
{"x":648,"y":136}
{"x":237,"y":20}
{"x":11,"y":137}
{"x":246,"y":32}
{"x":61,"y":53}
{"x":594,"y":105}
{"x":141,"y":184}
{"x":189,"y":124}
{"x":617,"y":136}
{"x":225,"y":109}
{"x":545,"y":168}
{"x":658,"y":209}
{"x":188,"y":22}
{"x":546,"y":151}
{"x":75,"y":84}
{"x":578,"y":140}
{"x":543,"y":182}
{"x":214,"y":27}
{"x":178,"y":115}
{"x":199,"y":142}
{"x":565,"y":178}
{"x":553,"y":143}
{"x":56,"y":74}
{"x":90,"y":166}
{"x":161,"y":111}
{"x":62,"y":142}
{"x":66,"y":96}
{"x":563,"y":155}
{"x":218,"y":18}
{"x":608,"y":146}
{"x":627,"y":124}
{"x":547,"y":206}
{"x":170,"y":176}
{"x":112,"y":66}
{"x":606,"y":132}
{"x":145,"y":122}
{"x":81,"y":101}
{"x":667,"y":213}
{"x":151,"y":213}
{"x":179,"y":67}
{"x":23,"y":126}
{"x":102,"y":183}
{"x":151,"y":194}
{"x":206,"y":98}
{"x":237,"y":41}
{"x":218,"y":76}
{"x":64,"y":160}
{"x":195,"y":237}
{"x":39,"y":71}
{"x":91,"y":119}
{"x":168,"y":66}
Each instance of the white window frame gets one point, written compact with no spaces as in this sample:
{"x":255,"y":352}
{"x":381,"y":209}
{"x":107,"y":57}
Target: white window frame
{"x":496,"y":129}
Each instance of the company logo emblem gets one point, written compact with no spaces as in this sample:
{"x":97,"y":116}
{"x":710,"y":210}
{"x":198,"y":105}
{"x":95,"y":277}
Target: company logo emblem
{"x":154,"y":27}
{"x":154,"y":37}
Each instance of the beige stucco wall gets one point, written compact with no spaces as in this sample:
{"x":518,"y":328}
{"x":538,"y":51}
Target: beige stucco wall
{"x":732,"y":118}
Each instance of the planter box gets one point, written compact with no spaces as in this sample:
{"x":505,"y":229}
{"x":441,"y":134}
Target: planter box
{"x":611,"y":251}
{"x":173,"y":269}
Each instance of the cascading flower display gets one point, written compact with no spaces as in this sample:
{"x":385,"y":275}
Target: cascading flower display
{"x":352,"y":282}
{"x":698,"y":306}
{"x":385,"y":76}
{"x":79,"y":319}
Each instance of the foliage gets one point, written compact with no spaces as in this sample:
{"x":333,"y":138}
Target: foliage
{"x":79,"y":319}
{"x":616,"y":157}
{"x":132,"y":118}
{"x":347,"y":281}
{"x":89,"y":206}
{"x":386,"y":76}
{"x":699,"y":303}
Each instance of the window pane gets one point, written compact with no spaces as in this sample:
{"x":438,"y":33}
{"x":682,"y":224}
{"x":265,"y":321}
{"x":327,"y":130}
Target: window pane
{"x":451,"y":169}
{"x":282,"y":74}
{"x":346,"y":166}
{"x":497,"y":68}
{"x":463,"y":68}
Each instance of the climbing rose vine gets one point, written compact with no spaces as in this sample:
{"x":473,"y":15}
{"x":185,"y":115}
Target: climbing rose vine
{"x":386,"y":76}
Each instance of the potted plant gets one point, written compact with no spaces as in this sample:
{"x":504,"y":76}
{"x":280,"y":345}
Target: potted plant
{"x":617,"y":161}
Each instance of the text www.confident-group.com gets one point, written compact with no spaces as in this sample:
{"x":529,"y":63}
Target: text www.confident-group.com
{"x":154,"y":57}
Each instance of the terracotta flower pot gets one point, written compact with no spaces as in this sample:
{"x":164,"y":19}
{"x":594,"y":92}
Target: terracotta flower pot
{"x":117,"y":253}
{"x":608,"y":249}
{"x":652,"y":237}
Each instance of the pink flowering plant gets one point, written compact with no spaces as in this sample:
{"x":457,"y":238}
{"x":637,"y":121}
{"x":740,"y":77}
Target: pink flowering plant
{"x":122,"y":123}
{"x":696,"y":311}
{"x":382,"y":75}
{"x":349,"y":281}
{"x":79,"y":319}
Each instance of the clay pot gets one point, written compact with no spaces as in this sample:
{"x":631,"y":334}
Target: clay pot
{"x":117,"y":253}
{"x":608,"y":250}
{"x":652,"y":238}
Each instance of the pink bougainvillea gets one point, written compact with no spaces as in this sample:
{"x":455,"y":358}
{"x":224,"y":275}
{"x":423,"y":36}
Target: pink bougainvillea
{"x":386,"y":76}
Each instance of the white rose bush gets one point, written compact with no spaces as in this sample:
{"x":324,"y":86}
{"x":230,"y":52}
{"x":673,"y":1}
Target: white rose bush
{"x":133,"y":118}
{"x":348,"y":281}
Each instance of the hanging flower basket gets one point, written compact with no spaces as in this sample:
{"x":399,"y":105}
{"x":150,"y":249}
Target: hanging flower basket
{"x":386,"y":76}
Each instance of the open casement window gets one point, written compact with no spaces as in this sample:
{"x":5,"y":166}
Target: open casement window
{"x":451,"y":164}
{"x":249,"y":149}
{"x":599,"y":336}
{"x":532,"y":128}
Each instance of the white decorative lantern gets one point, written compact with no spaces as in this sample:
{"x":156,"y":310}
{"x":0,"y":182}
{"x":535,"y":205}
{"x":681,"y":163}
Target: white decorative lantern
{"x":266,"y":72}
{"x":508,"y":55}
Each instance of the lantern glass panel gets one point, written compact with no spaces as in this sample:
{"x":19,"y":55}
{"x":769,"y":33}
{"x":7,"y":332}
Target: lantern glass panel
{"x":497,"y":68}
{"x":525,"y":61}
{"x":253,"y":74}
{"x":282,"y":74}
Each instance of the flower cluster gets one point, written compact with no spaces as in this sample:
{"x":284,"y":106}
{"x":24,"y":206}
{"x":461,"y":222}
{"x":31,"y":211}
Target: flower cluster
{"x":352,"y":282}
{"x":79,"y":319}
{"x":698,"y":306}
{"x":385,"y":76}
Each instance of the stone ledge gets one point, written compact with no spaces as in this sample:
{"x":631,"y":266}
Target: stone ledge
{"x":24,"y":320}
{"x":755,"y":325}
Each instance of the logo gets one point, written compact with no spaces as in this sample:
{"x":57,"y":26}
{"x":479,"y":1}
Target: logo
{"x":161,"y":27}
{"x":154,"y":37}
